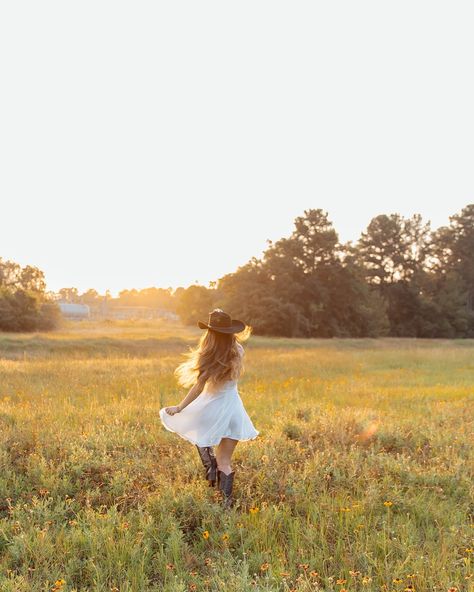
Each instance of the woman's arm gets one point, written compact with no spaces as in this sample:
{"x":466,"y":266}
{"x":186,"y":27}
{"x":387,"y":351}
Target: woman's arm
{"x":194,"y":392}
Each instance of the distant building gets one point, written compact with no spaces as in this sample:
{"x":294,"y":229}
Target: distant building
{"x":71,"y":310}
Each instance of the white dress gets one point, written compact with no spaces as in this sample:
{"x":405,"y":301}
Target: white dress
{"x":211,"y":416}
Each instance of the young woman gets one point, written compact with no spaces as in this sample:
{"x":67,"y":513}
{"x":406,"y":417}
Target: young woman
{"x":212,"y":413}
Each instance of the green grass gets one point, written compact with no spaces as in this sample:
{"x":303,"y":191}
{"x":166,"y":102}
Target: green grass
{"x":94,"y":490}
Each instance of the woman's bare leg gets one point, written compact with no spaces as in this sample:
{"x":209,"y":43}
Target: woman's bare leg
{"x":224,"y":453}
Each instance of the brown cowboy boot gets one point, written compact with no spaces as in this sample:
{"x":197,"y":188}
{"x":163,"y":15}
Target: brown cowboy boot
{"x":225,"y":484}
{"x":206,"y":453}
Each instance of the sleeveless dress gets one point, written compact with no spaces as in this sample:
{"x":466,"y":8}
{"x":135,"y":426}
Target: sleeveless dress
{"x":211,"y":416}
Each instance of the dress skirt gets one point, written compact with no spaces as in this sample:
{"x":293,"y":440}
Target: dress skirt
{"x":211,"y":416}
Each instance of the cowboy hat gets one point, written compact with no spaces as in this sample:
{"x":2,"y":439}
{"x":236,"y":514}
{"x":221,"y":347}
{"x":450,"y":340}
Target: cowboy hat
{"x":220,"y":321}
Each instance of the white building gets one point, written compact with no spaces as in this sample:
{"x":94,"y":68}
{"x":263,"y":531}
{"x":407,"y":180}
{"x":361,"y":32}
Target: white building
{"x":72,"y":310}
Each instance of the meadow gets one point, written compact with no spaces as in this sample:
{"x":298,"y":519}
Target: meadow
{"x":361,"y":477}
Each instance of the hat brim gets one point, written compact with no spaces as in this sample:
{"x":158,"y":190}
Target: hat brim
{"x":236,"y":326}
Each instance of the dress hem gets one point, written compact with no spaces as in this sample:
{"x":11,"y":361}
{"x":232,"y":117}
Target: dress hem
{"x":214,"y":444}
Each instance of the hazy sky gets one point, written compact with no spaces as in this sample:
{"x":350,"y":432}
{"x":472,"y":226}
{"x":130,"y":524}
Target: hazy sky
{"x":159,"y":143}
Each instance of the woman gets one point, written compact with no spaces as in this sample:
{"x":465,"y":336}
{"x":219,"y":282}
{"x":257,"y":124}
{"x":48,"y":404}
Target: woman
{"x":212,"y":413}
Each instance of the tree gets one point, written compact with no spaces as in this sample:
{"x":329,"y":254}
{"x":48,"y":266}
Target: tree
{"x":24,"y":304}
{"x":394,"y":253}
{"x":301,"y":287}
{"x":194,"y":304}
{"x":453,"y":271}
{"x":69,"y":294}
{"x":393,"y":248}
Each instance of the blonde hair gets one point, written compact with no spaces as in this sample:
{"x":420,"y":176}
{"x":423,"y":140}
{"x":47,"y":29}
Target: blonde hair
{"x":217,"y":356}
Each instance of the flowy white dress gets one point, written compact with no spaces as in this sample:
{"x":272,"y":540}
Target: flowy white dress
{"x":214,"y":414}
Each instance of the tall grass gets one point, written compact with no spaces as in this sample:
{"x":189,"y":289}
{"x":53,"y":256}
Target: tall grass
{"x":361,"y":477}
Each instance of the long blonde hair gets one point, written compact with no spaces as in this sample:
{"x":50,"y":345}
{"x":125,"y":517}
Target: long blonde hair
{"x":217,"y":355}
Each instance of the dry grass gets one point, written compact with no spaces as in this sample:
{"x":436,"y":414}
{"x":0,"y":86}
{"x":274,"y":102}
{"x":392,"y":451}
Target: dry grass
{"x":361,"y":477}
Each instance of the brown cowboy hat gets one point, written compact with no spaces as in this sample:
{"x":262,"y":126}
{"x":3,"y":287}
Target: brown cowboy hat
{"x":220,"y":321}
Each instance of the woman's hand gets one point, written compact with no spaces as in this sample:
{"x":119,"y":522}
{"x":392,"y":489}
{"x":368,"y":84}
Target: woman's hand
{"x":172,"y":410}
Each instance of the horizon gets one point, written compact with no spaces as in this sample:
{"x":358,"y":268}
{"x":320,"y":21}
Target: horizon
{"x":115,"y":294}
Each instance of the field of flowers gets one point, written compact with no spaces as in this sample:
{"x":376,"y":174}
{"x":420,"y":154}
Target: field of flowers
{"x":362,"y":476}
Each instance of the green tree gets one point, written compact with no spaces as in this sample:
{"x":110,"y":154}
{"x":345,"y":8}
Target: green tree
{"x":24,"y":305}
{"x":453,"y":272}
{"x":302,"y":287}
{"x":194,"y":304}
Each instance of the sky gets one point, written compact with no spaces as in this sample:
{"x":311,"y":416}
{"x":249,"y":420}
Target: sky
{"x":163,"y":143}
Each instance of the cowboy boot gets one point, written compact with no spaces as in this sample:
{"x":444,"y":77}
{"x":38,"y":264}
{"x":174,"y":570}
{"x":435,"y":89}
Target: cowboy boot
{"x":225,"y":484}
{"x":206,"y":453}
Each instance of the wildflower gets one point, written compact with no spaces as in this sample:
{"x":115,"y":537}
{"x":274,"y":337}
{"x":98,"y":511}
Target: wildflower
{"x":345,"y":509}
{"x":58,"y":584}
{"x":354,"y":572}
{"x":264,"y":566}
{"x":397,"y":580}
{"x":341,"y":581}
{"x":409,"y":588}
{"x":313,"y":574}
{"x":205,"y":534}
{"x":239,"y":525}
{"x":284,"y":574}
{"x":453,"y":589}
{"x":366,"y":580}
{"x":253,"y":510}
{"x":124,"y":525}
{"x":169,"y":566}
{"x":469,"y":550}
{"x":72,"y":522}
{"x":192,"y":587}
{"x":303,"y":566}
{"x":225,"y":537}
{"x":207,"y":561}
{"x":388,"y":503}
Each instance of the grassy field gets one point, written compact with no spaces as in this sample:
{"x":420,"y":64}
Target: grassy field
{"x":361,"y":477}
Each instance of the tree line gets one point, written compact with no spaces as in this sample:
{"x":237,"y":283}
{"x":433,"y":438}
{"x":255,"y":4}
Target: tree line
{"x":400,"y":278}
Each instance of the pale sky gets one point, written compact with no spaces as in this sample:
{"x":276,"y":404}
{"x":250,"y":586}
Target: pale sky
{"x":160,"y":143}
